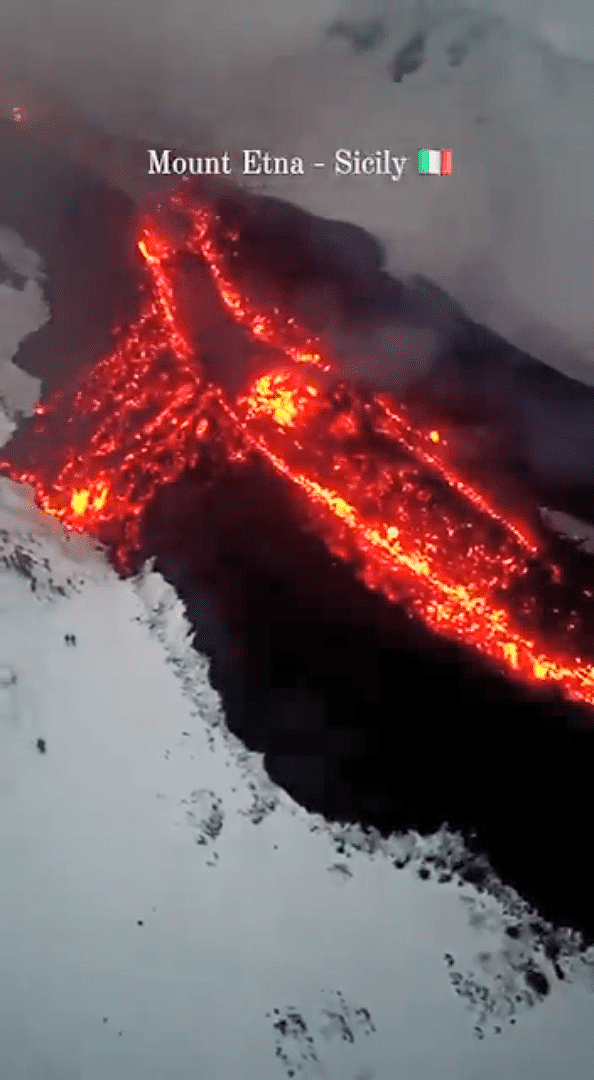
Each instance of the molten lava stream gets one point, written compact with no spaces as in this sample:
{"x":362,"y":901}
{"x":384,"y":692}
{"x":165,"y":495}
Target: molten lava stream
{"x":418,"y":554}
{"x":389,"y":553}
{"x":284,"y":333}
{"x":136,"y":422}
{"x":374,"y":487}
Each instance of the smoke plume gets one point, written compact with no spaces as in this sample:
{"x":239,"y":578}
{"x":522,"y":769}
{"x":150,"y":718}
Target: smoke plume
{"x":509,"y":85}
{"x":510,"y":235}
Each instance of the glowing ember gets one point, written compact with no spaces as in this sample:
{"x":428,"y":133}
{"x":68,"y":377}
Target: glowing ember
{"x":271,"y":328}
{"x":282,"y":397}
{"x":81,"y":500}
{"x":376,"y":488}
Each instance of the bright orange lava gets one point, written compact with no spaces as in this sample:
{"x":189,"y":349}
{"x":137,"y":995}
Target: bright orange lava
{"x":281,"y":396}
{"x":81,"y":501}
{"x":376,"y":489}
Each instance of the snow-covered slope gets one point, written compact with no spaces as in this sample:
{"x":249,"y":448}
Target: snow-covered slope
{"x":571,"y":527}
{"x":509,"y":235}
{"x":23,"y":309}
{"x":167,"y":913}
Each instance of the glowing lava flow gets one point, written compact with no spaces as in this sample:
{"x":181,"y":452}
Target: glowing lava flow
{"x":281,"y":396}
{"x":270,"y":328}
{"x":134,"y":423}
{"x":285,"y":333}
{"x":459,"y":610}
{"x":374,"y":487}
{"x":470,"y":611}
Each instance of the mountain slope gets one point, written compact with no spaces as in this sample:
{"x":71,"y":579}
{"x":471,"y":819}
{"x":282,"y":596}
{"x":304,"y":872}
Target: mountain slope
{"x":167,"y":912}
{"x":162,"y":899}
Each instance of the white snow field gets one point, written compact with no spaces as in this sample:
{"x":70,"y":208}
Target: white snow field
{"x":167,"y":914}
{"x":22,"y":309}
{"x":161,"y":899}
